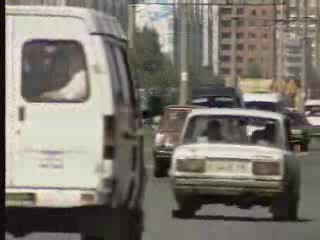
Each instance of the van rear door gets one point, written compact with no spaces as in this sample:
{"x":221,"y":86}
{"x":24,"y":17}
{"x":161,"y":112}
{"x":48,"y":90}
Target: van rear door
{"x":57,"y":111}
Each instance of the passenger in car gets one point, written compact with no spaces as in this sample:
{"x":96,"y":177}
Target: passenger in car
{"x":265,"y":136}
{"x":214,"y":131}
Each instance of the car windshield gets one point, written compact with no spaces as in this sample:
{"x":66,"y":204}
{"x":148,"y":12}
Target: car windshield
{"x":173,"y":120}
{"x":267,"y":106}
{"x":214,"y":102}
{"x":233,"y":130}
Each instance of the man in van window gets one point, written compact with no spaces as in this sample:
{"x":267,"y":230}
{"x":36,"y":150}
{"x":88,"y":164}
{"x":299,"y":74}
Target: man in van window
{"x":75,"y":87}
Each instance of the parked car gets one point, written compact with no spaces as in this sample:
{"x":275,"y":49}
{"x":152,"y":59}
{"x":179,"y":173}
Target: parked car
{"x":274,"y":102}
{"x":312,"y":113}
{"x":74,"y":152}
{"x":167,"y":136}
{"x":217,"y":97}
{"x":236,"y":157}
{"x":299,"y":130}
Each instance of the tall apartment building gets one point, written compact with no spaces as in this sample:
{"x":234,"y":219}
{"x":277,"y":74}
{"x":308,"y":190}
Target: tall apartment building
{"x":254,"y":39}
{"x":309,"y":9}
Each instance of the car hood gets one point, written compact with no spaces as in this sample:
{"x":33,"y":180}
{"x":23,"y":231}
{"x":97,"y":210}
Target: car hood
{"x":227,"y":151}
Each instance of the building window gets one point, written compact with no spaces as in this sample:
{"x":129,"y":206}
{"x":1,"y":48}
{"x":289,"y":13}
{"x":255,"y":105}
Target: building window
{"x":225,"y":58}
{"x":240,"y":11}
{"x":240,"y":23}
{"x":240,"y":47}
{"x":226,"y":11}
{"x":252,"y":47}
{"x":225,"y":71}
{"x":252,"y":35}
{"x":226,"y":35}
{"x":239,"y":71}
{"x":240,"y":35}
{"x":265,"y":35}
{"x":253,"y":12}
{"x":239,"y":59}
{"x":225,"y":46}
{"x":251,"y":60}
{"x":226,"y":23}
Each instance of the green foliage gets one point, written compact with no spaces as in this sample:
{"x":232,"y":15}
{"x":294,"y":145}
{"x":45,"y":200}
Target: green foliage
{"x":151,"y":67}
{"x":254,"y":71}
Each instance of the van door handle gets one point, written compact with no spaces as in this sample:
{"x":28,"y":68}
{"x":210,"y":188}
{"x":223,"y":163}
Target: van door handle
{"x":22,"y":113}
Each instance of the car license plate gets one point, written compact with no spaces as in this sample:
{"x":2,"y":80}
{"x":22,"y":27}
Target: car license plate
{"x":227,"y":167}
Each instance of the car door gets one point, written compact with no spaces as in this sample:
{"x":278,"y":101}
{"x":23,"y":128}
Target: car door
{"x":59,"y":135}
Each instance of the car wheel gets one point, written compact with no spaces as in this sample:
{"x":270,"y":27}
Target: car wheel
{"x":187,"y":208}
{"x":286,"y":208}
{"x":159,"y":170}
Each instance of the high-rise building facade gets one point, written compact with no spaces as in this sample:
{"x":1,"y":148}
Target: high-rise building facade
{"x":254,"y":40}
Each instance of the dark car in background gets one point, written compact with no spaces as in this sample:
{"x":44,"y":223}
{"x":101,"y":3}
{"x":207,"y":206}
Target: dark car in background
{"x":300,"y":129}
{"x":213,"y":96}
{"x":167,"y":136}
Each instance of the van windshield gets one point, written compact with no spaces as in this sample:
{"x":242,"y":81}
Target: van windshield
{"x":214,"y":102}
{"x":258,"y":105}
{"x":54,"y":71}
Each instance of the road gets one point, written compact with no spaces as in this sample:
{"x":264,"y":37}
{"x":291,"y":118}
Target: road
{"x":219,"y":222}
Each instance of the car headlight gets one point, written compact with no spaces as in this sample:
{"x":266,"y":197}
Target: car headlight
{"x":266,"y":168}
{"x":190,"y":165}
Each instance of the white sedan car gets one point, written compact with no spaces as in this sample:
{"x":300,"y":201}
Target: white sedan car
{"x":236,"y":157}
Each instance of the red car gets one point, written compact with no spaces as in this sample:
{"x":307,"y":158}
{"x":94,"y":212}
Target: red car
{"x":168,"y":135}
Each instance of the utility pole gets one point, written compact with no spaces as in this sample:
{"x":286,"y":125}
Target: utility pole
{"x":184,"y":76}
{"x":274,"y":43}
{"x":304,"y":52}
{"x":233,"y":81}
{"x":132,"y":23}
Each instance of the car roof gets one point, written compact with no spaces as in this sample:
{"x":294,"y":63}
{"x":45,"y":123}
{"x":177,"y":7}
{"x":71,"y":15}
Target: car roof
{"x":97,"y":22}
{"x":263,"y":97}
{"x":237,"y":112}
{"x":312,"y":102}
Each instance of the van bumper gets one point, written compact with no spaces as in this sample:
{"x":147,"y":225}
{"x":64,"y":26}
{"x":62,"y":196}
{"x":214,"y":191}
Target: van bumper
{"x":55,"y":197}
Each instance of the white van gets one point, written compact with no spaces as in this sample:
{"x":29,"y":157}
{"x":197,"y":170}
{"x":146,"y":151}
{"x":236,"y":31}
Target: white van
{"x":72,"y":123}
{"x":274,"y":102}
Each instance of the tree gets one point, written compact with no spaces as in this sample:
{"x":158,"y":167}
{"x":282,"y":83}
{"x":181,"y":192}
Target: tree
{"x":154,"y":71}
{"x":254,"y":71}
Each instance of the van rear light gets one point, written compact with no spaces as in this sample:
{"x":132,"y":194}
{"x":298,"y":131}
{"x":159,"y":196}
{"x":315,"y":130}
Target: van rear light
{"x":109,"y":137}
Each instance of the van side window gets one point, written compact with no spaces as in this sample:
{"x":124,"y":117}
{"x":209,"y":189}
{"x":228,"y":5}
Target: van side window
{"x":114,"y":69}
{"x":54,"y":71}
{"x":125,"y":77}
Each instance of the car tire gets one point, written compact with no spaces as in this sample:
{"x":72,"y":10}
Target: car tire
{"x":286,"y":208}
{"x":187,"y":208}
{"x":159,"y":170}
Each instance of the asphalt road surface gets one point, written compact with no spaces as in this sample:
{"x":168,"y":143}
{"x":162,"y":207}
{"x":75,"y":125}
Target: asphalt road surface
{"x":219,"y":222}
